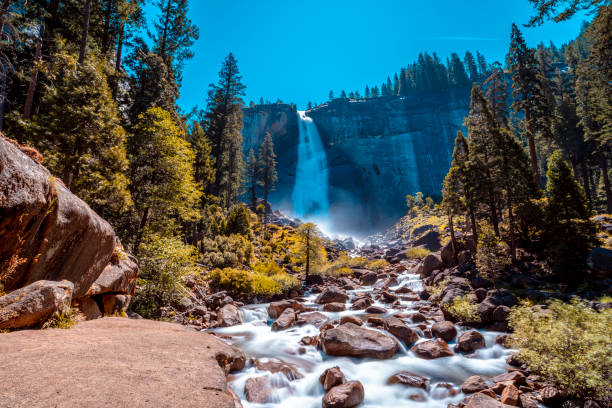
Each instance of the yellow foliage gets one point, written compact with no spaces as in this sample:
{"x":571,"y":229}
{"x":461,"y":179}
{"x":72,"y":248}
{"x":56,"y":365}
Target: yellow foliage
{"x":377,"y":264}
{"x":463,"y":309}
{"x":417,"y":253}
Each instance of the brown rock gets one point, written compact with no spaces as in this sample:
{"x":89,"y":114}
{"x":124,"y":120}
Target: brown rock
{"x":317,"y":319}
{"x":501,"y":312}
{"x":285,"y":320}
{"x":551,"y":395}
{"x":276,"y":308}
{"x":332,"y":294}
{"x":229,"y":315}
{"x":351,"y":319}
{"x":89,"y":308}
{"x":369,"y":278}
{"x":47,"y":233}
{"x":347,"y":395}
{"x":32,"y":305}
{"x":409,"y":379}
{"x":278,"y":366}
{"x":445,"y":330}
{"x":376,"y":310}
{"x":481,"y":400}
{"x":470,"y":341}
{"x":431,"y":349}
{"x":257,"y":389}
{"x":400,"y":330}
{"x":529,"y":401}
{"x":231,"y":359}
{"x":361,"y":304}
{"x":418,"y":318}
{"x":334,"y":307}
{"x":515,"y":377}
{"x":331,"y":377}
{"x":474,"y":384}
{"x":119,"y":276}
{"x":115,"y":304}
{"x":351,"y":340}
{"x":510,"y":395}
{"x":431,"y":263}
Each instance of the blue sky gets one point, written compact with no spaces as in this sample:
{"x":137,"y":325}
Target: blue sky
{"x":299,"y":51}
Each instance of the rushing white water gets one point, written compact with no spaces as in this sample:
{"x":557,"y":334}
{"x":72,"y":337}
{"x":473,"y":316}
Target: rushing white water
{"x":310,"y":192}
{"x":257,"y":340}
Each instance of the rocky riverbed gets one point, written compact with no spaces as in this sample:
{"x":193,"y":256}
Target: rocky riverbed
{"x":389,"y":347}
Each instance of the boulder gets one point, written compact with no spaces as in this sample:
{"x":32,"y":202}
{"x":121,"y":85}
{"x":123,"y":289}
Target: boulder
{"x":47,"y":233}
{"x":361,"y":304}
{"x":429,"y":240}
{"x":600,"y":260}
{"x":401,"y":330}
{"x":285,"y":320}
{"x":515,"y":377}
{"x":474,"y":384}
{"x":229,"y":315}
{"x":32,"y":305}
{"x":347,"y":395}
{"x":119,"y":276}
{"x":231,"y":359}
{"x":115,"y":304}
{"x":334,"y":307}
{"x":89,"y":308}
{"x":331,"y":377}
{"x":257,"y":389}
{"x":431,"y":349}
{"x":445,"y":330}
{"x":351,"y":319}
{"x":470,"y":341}
{"x":409,"y":380}
{"x":279,"y":366}
{"x":447,"y":254}
{"x":376,"y":310}
{"x":369,"y":278}
{"x":431,"y":263}
{"x":510,"y":395}
{"x":332,"y":294}
{"x":480,"y":400}
{"x":276,"y":308}
{"x":315,"y":318}
{"x":501,"y":313}
{"x":351,"y":340}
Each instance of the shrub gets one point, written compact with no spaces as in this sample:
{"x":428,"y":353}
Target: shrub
{"x":435,"y":291}
{"x":266,"y":281}
{"x":235,"y":281}
{"x":164,"y":262}
{"x":463,"y":309}
{"x":238,"y":221}
{"x":357,"y":262}
{"x":226,"y":251}
{"x":63,"y":319}
{"x":491,"y":258}
{"x":417,"y":253}
{"x":569,"y":344}
{"x":378,"y":264}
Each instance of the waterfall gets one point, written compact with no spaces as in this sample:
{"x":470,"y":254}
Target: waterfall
{"x":310,"y":192}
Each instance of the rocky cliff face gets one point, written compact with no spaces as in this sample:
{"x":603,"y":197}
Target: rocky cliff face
{"x":378,"y":150}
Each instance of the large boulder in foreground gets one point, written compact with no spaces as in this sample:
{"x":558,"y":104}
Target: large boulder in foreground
{"x":47,"y":233}
{"x":351,"y":340}
{"x":32,"y":305}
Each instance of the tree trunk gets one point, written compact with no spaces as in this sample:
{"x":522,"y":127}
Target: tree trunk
{"x":585,"y":182}
{"x":230,"y":176}
{"x":118,"y":60}
{"x":266,"y":190}
{"x":511,"y":222}
{"x":474,"y":229}
{"x":107,"y":23}
{"x":307,"y":256}
{"x":143,"y":224}
{"x":604,"y":169}
{"x":452,"y":233}
{"x":532,"y":149}
{"x":27,"y":109}
{"x":85,"y":30}
{"x":492,"y":206}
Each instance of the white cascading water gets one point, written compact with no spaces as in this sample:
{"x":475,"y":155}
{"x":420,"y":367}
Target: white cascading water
{"x":310,"y":192}
{"x":446,"y":375}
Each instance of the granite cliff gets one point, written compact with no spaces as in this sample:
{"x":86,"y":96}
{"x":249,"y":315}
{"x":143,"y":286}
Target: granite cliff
{"x":378,"y":150}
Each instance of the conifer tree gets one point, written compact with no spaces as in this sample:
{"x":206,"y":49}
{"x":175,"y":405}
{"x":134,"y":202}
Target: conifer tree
{"x":496,"y":94}
{"x":343,"y":94}
{"x":396,"y":85}
{"x":375,"y":92}
{"x":252,"y":177}
{"x":331,"y":95}
{"x":367,"y":92}
{"x":310,"y":247}
{"x":456,"y":71}
{"x":204,"y":165}
{"x":470,"y":65}
{"x":483,"y":67}
{"x":570,"y":231}
{"x":267,"y":159}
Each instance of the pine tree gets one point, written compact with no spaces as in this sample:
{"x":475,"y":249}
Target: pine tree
{"x":456,"y":71}
{"x":470,"y":64}
{"x":375,"y":92}
{"x":223,"y":127}
{"x":483,"y":67}
{"x":204,"y":165}
{"x":527,"y":92}
{"x":310,"y":247}
{"x":497,"y":94}
{"x":252,"y":177}
{"x":570,"y":231}
{"x":331,"y":95}
{"x":267,"y":159}
{"x":343,"y":94}
{"x":162,"y":169}
{"x":367,"y":92}
{"x":396,"y":85}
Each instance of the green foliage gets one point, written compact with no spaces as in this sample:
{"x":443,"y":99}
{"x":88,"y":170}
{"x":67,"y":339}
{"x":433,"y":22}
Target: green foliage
{"x":308,"y":247}
{"x":63,"y":319}
{"x":570,"y":231}
{"x":164,"y":263}
{"x":492,"y":255}
{"x":435,"y":291}
{"x":377,"y":264}
{"x":357,"y":262}
{"x":266,"y":280}
{"x":340,"y":267}
{"x":238,"y":221}
{"x":417,"y":253}
{"x":463,"y":309}
{"x":226,"y":251}
{"x":235,"y":281}
{"x":569,"y":344}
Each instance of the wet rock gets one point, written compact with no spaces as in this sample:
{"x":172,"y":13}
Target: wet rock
{"x":334,"y":307}
{"x":332,"y":294}
{"x":470,"y":341}
{"x":285,"y":320}
{"x":276,"y":308}
{"x":418,"y":318}
{"x":361,"y":304}
{"x":474,"y":384}
{"x":500,"y":314}
{"x":369,"y":278}
{"x":257,"y":389}
{"x":445,"y":330}
{"x":32,"y":305}
{"x":376,"y":310}
{"x":317,"y":319}
{"x":310,"y":341}
{"x":510,"y":395}
{"x":431,"y":349}
{"x":409,"y":379}
{"x":387,"y":297}
{"x":229,"y":315}
{"x":401,"y":330}
{"x":430,"y":263}
{"x":347,"y":395}
{"x":481,"y":400}
{"x":331,"y":377}
{"x":351,"y":340}
{"x":351,"y":319}
{"x":529,"y":401}
{"x":516,"y":377}
{"x":279,"y":366}
{"x":231,"y":359}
